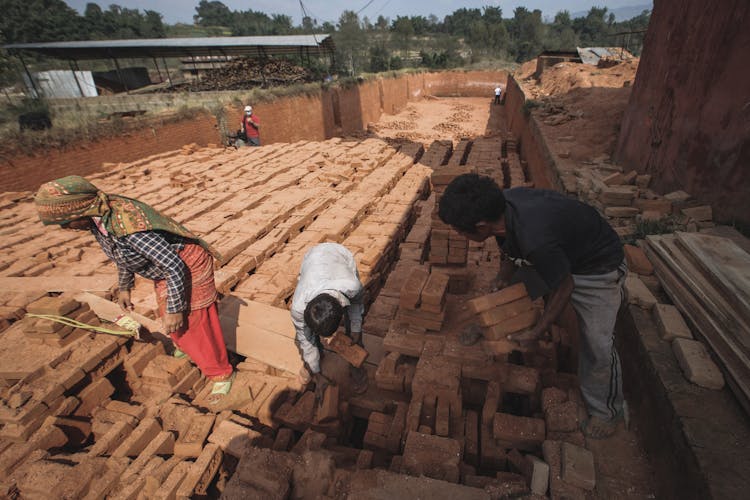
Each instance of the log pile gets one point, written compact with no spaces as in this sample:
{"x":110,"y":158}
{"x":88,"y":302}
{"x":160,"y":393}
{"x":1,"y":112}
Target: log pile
{"x":245,"y":73}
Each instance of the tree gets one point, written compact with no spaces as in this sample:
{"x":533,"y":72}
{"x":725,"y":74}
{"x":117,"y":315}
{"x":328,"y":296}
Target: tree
{"x":382,"y":23}
{"x":212,"y":13}
{"x":351,"y":42}
{"x":403,"y":28}
{"x":593,"y":29}
{"x":561,"y":35}
{"x":379,"y":58}
{"x":39,"y":21}
{"x":526,"y":33}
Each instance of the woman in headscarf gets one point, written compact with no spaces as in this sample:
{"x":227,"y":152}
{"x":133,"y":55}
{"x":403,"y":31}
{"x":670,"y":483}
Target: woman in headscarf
{"x":138,"y":239}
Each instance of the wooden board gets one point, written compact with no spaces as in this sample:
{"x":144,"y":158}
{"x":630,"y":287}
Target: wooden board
{"x":95,"y":283}
{"x":681,"y":286}
{"x":261,"y":332}
{"x":726,"y":264}
{"x":109,"y":311}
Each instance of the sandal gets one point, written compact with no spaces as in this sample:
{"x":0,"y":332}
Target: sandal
{"x":220,"y":389}
{"x":179,"y":353}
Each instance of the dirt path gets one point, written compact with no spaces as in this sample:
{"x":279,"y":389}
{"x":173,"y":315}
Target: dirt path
{"x":439,"y":118}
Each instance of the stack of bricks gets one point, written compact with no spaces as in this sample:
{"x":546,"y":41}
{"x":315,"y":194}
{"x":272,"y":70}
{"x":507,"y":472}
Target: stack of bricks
{"x":54,"y":333}
{"x":625,"y":200}
{"x":502,"y":313}
{"x":422,"y":300}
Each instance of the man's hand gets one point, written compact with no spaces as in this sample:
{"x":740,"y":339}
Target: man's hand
{"x":502,"y":280}
{"x":173,"y":322}
{"x":123,"y":299}
{"x":321,"y":383}
{"x":527,"y":338}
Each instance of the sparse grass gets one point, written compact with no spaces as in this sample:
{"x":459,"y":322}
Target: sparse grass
{"x":665,"y":225}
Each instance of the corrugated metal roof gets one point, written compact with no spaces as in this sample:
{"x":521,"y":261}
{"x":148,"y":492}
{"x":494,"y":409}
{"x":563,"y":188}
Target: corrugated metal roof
{"x":181,"y":47}
{"x":591,"y":55}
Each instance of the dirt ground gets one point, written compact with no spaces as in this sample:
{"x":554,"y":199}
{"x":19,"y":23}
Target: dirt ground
{"x":580,"y":107}
{"x":623,"y":470}
{"x":438,"y":119}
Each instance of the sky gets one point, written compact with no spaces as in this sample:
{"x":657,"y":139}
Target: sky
{"x":182,"y":11}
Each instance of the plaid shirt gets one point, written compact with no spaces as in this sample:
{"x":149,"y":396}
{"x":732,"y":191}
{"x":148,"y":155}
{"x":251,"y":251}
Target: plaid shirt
{"x":153,"y":255}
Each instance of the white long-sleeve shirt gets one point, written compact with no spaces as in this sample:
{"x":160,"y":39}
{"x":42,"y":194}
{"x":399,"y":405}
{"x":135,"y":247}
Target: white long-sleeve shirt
{"x":326,"y":268}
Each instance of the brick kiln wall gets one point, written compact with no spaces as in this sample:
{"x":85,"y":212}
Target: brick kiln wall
{"x":27,"y":172}
{"x":686,"y":122}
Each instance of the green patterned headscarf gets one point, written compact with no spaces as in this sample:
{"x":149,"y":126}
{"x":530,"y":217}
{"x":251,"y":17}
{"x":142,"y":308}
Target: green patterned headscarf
{"x":73,"y":197}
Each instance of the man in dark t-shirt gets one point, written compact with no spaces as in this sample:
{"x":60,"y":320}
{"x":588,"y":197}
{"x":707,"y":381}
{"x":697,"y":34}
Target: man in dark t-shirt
{"x":578,"y":257}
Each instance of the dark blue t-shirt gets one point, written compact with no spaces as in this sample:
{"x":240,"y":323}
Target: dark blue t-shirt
{"x":558,"y":235}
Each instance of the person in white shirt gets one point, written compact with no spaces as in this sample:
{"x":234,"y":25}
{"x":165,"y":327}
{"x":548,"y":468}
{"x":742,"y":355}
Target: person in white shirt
{"x":328,"y":288}
{"x":498,"y":91}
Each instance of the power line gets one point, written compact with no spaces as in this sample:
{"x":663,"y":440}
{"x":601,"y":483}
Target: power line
{"x":383,"y":7}
{"x":366,"y":5}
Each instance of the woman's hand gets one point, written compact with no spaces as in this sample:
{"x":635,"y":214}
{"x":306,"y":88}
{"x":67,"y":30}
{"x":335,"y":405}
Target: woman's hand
{"x":123,"y":299}
{"x":173,"y":322}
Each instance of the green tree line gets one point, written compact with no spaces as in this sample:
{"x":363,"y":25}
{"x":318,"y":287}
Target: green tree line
{"x":465,"y":36}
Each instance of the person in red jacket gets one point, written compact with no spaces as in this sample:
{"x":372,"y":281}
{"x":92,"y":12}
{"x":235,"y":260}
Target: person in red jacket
{"x":251,"y":127}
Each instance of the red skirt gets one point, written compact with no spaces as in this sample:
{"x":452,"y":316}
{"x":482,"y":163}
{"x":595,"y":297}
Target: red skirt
{"x":202,"y":338}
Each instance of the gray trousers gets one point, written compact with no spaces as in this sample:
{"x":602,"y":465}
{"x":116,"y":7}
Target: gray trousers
{"x":596,"y":299}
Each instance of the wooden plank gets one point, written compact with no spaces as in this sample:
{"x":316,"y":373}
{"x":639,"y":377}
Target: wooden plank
{"x":704,"y":324}
{"x":725,"y":263}
{"x":261,"y":332}
{"x":109,"y":311}
{"x":95,"y":283}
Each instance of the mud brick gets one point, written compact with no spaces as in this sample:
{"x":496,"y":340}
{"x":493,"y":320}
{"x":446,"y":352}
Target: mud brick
{"x":428,"y":321}
{"x":132,"y":480}
{"x":48,"y":437}
{"x":139,"y":439}
{"x":637,"y":261}
{"x":310,"y":441}
{"x":57,"y":306}
{"x":522,"y":321}
{"x":78,"y":430}
{"x":696,"y":363}
{"x":412,"y":289}
{"x":413,"y":415}
{"x":329,"y":409}
{"x":637,"y":293}
{"x":471,"y":437}
{"x":97,"y":353}
{"x":111,"y":440}
{"x":401,"y":343}
{"x":77,"y":483}
{"x":170,"y":486}
{"x":40,"y":325}
{"x":201,"y":473}
{"x":93,"y":395}
{"x":190,"y":444}
{"x":442,"y":417}
{"x":233,"y":438}
{"x":578,"y":466}
{"x":157,"y":476}
{"x":268,"y":471}
{"x":577,"y":438}
{"x":617,"y":195}
{"x":165,"y":371}
{"x":110,"y":417}
{"x":562,"y":417}
{"x":435,"y":289}
{"x":364,"y":460}
{"x":558,"y":488}
{"x":661,"y":205}
{"x":670,"y":323}
{"x":614,"y":179}
{"x":135,"y":411}
{"x":284,"y":438}
{"x":702,"y":213}
{"x":396,"y":429}
{"x":432,"y":456}
{"x":103,"y":485}
{"x":491,"y":402}
{"x":140,"y":356}
{"x":625,"y":212}
{"x":301,"y":415}
{"x":505,"y":312}
{"x":379,"y":423}
{"x":185,"y":386}
{"x":552,"y":396}
{"x":504,"y":296}
{"x":344,"y":346}
{"x":523,"y":433}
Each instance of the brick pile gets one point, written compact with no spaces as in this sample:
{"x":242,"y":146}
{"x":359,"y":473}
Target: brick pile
{"x":625,"y":199}
{"x":104,"y":416}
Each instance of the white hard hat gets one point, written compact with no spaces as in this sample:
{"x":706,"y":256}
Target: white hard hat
{"x":248,"y":109}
